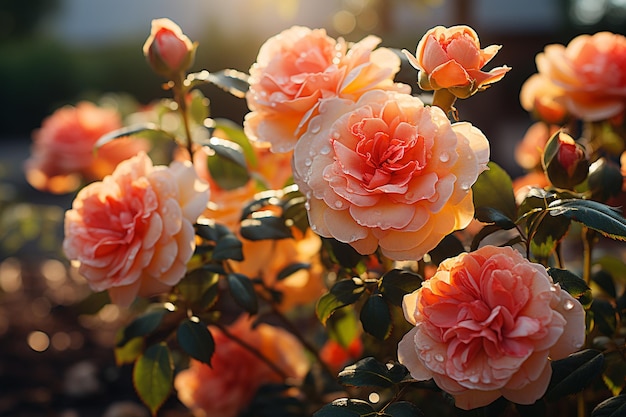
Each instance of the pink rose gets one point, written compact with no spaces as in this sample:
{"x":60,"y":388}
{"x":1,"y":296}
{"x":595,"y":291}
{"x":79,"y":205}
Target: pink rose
{"x":133,"y":232}
{"x":487,"y":325}
{"x":63,"y":148}
{"x":387,"y":171}
{"x":167,"y":49}
{"x":226,"y":387}
{"x":591,"y":71}
{"x":451,"y":58}
{"x":300,"y":66}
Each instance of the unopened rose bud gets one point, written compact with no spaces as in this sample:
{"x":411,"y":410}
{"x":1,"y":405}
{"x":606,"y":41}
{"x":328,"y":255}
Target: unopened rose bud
{"x":167,"y":49}
{"x":564,"y":161}
{"x":605,"y":179}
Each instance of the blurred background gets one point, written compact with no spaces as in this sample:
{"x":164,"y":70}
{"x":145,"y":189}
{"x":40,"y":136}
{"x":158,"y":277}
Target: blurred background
{"x":55,"y":352}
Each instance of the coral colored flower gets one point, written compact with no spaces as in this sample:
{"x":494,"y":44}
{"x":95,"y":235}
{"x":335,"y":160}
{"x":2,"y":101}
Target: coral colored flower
{"x":226,"y":388}
{"x":544,"y":99}
{"x":451,"y":58}
{"x":167,"y":49}
{"x":528,"y":152}
{"x":63,"y":148}
{"x":336,"y":356}
{"x":133,"y":232}
{"x":487,"y":325}
{"x":591,"y":71}
{"x":387,"y":171}
{"x":297,"y":68}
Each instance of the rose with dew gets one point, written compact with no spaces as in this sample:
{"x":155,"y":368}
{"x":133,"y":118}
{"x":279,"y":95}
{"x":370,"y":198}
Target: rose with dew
{"x":63,"y":148}
{"x":132,"y":233}
{"x":487,"y":324}
{"x":168,"y":50}
{"x":451,"y":58}
{"x":297,"y":68}
{"x":591,"y":72}
{"x":227,"y":387}
{"x":388,"y":172}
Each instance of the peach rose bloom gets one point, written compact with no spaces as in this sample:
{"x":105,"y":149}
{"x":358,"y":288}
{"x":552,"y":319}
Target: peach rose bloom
{"x":226,"y":388}
{"x":529,"y":151}
{"x":388,"y":171}
{"x":540,"y":96}
{"x":132,"y":232}
{"x":591,"y":70}
{"x":300,"y":66}
{"x":63,"y":148}
{"x":451,"y":58}
{"x":487,"y":325}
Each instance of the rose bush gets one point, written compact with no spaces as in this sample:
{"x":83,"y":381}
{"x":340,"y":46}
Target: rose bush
{"x":227,"y":386}
{"x":300,"y":66}
{"x":451,"y":58}
{"x":62,"y":153}
{"x":590,"y":71}
{"x":387,"y":171}
{"x":132,"y":232}
{"x":487,"y":325}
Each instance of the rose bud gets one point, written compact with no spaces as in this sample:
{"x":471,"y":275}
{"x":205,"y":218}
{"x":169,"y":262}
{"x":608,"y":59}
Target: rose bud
{"x":605,"y":179}
{"x":167,"y":49}
{"x":564,"y":161}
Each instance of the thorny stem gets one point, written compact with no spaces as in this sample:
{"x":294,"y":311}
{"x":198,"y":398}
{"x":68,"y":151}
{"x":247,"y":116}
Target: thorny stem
{"x":252,"y":350}
{"x":179,"y":97}
{"x":395,"y":398}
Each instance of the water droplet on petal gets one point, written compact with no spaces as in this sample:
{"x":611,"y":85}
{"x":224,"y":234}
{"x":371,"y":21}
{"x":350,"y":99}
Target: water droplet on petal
{"x":474,"y":379}
{"x":335,"y":135}
{"x":307,"y":206}
{"x":308,"y":162}
{"x":465,"y":186}
{"x":444,"y":157}
{"x":409,"y":196}
{"x":439,"y":357}
{"x":577,"y":344}
{"x":568,"y":305}
{"x":339,"y":204}
{"x":553,"y":288}
{"x":325,"y":150}
{"x":315,"y":128}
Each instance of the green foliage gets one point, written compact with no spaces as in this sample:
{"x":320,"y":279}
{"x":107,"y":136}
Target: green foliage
{"x":144,"y":130}
{"x":375,"y":317}
{"x":369,"y":372}
{"x":143,"y":325}
{"x":611,"y":407}
{"x":346,"y":407}
{"x":226,"y":163}
{"x":597,"y":216}
{"x":572,"y":374}
{"x":604,"y":316}
{"x":242,"y":291}
{"x":395,"y":283}
{"x":196,"y":340}
{"x":199,"y":288}
{"x":342,"y":294}
{"x":153,"y":375}
{"x":494,"y":189}
{"x":574,"y":285}
{"x":229,"y":80}
{"x":265,"y":226}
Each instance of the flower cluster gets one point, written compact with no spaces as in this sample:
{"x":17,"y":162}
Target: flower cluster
{"x":343,"y":202}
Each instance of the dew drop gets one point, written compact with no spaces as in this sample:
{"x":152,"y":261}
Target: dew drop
{"x":465,"y":186}
{"x":339,"y":204}
{"x":326,"y":78}
{"x":409,"y":196}
{"x":553,"y":288}
{"x":474,"y":379}
{"x":307,"y":206}
{"x":308,"y":162}
{"x":444,"y":157}
{"x":315,"y":128}
{"x":325,"y":150}
{"x":577,"y":344}
{"x":439,"y":357}
{"x":568,"y":305}
{"x":335,"y":135}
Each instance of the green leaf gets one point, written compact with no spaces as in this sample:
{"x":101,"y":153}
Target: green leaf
{"x":294,"y":210}
{"x":226,"y":163}
{"x":228,"y":247}
{"x":572,"y":374}
{"x":494,"y":216}
{"x":196,"y":340}
{"x":545,"y":233}
{"x":403,"y":409}
{"x":342,"y":253}
{"x":368,"y":372}
{"x":242,"y":290}
{"x":614,"y":375}
{"x":482,"y":234}
{"x":291,"y":269}
{"x":574,"y":285}
{"x":210,"y":230}
{"x":199,"y":287}
{"x":596,"y":216}
{"x":199,"y":107}
{"x":612,"y":407}
{"x":494,"y":189}
{"x":395,"y":284}
{"x":375,"y":317}
{"x":232,"y":81}
{"x":262,"y":227}
{"x":153,"y":375}
{"x":235,"y":133}
{"x":142,"y":325}
{"x":146,"y":130}
{"x":129,"y":352}
{"x":343,"y":293}
{"x":343,"y":326}
{"x":449,"y":247}
{"x":604,"y":316}
{"x":605,"y":281}
{"x":346,"y":407}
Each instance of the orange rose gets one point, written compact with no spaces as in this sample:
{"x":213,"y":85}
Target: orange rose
{"x":226,"y":387}
{"x":544,"y":99}
{"x":63,"y":148}
{"x":133,"y":232}
{"x":167,"y":49}
{"x":388,"y":171}
{"x":591,"y":71}
{"x":528,"y":152}
{"x":451,"y":58}
{"x":297,"y":68}
{"x":487,"y":324}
